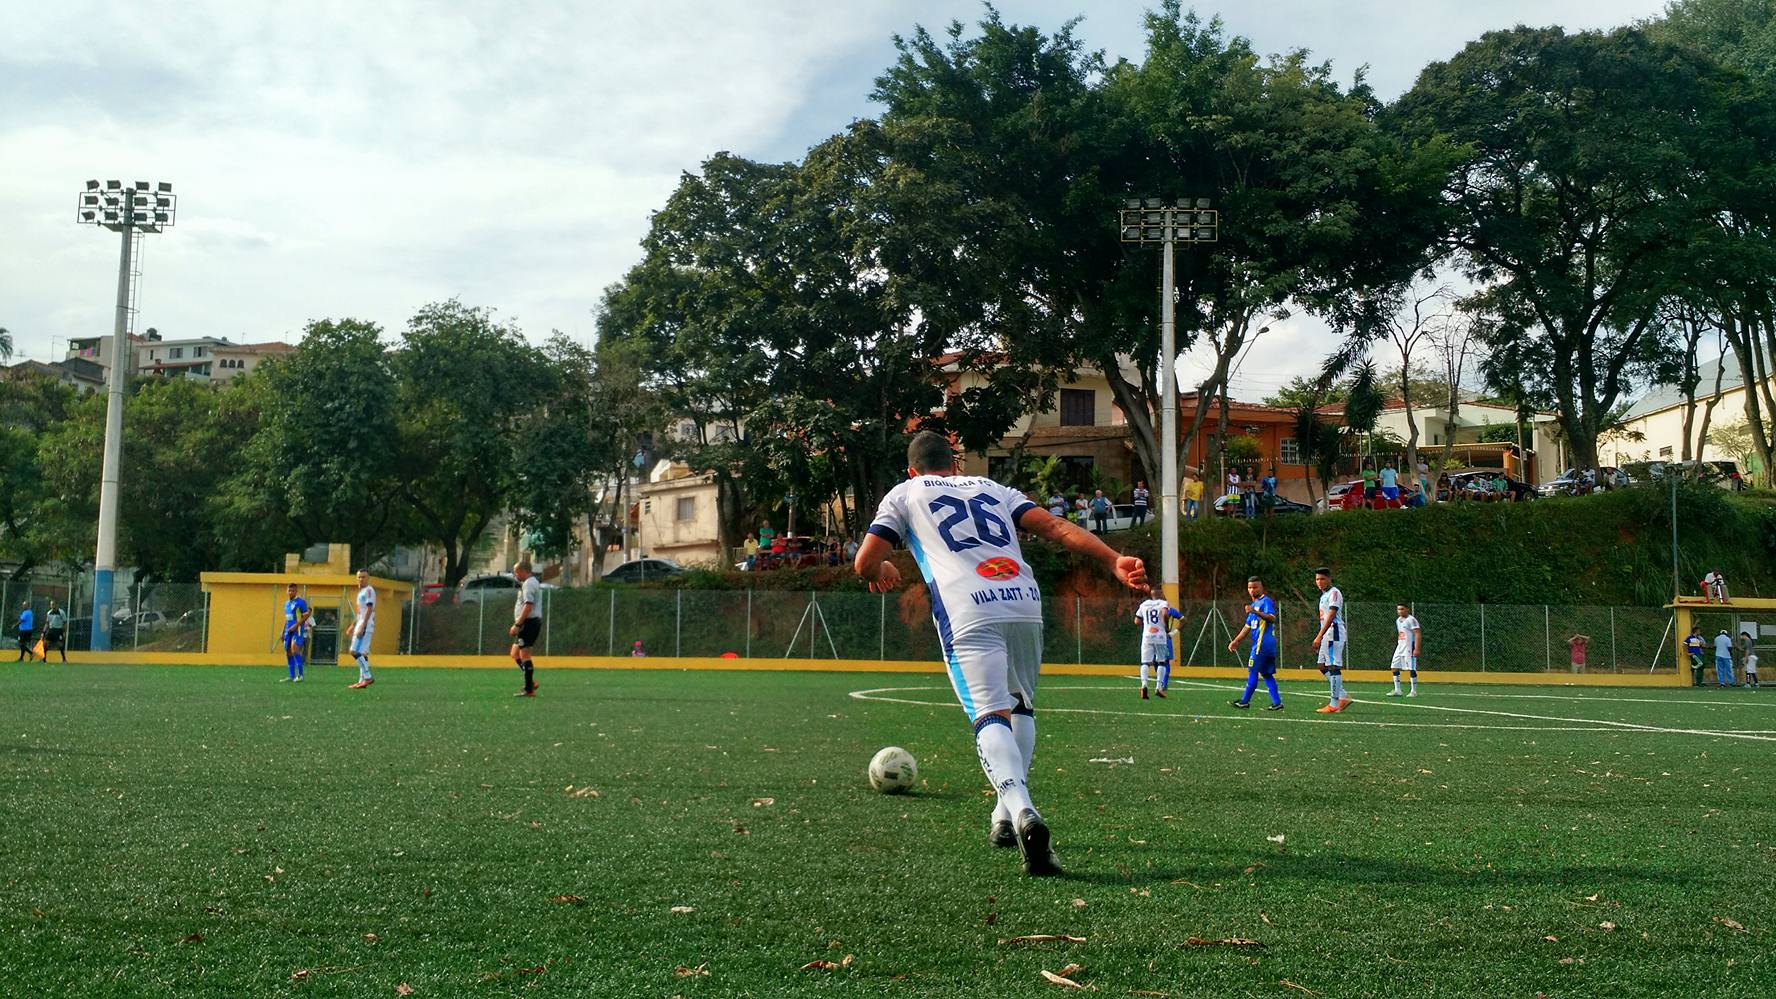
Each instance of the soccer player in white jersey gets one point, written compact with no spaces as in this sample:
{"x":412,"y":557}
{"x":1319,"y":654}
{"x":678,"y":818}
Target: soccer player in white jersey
{"x":1408,"y":644}
{"x":962,"y":531}
{"x":363,"y":626}
{"x":1329,"y":641}
{"x":1154,"y":616}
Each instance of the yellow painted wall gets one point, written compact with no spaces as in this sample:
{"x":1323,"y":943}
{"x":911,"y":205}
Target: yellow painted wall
{"x":247,"y":612}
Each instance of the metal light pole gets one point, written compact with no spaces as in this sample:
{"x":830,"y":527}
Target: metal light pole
{"x":1152,"y":221}
{"x":132,"y":212}
{"x":1676,"y":585}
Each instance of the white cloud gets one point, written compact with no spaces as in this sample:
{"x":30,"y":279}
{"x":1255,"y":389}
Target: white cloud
{"x":339,"y":159}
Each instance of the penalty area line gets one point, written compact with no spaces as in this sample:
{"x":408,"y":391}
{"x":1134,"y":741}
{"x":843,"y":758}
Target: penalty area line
{"x":878,"y":696}
{"x":1604,"y":723}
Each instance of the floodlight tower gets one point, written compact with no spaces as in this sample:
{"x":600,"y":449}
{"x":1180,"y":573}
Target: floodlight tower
{"x":132,"y":211}
{"x":1188,"y":221}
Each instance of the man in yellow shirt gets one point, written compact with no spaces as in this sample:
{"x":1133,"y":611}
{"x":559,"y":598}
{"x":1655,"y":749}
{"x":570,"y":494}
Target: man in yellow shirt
{"x":1193,"y":495}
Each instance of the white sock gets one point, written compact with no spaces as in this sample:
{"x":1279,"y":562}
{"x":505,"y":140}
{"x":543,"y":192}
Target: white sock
{"x":1414,"y":680}
{"x":1397,"y":681}
{"x":1024,"y":728}
{"x":1143,"y":677}
{"x":363,"y":668}
{"x":1003,"y":764}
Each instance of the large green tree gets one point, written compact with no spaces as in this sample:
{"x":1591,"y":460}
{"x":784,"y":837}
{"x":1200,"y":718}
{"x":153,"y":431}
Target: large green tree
{"x":31,"y":407}
{"x":181,"y":439}
{"x":322,"y":465}
{"x":1582,"y":155}
{"x":768,"y":331}
{"x":1729,"y":265}
{"x":1008,"y":152}
{"x":465,"y":393}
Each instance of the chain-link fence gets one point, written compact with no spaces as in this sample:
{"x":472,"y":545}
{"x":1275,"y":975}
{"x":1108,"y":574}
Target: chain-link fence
{"x":145,"y":617}
{"x":760,"y":624}
{"x":775,"y":624}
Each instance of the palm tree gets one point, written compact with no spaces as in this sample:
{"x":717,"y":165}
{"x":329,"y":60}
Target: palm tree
{"x":5,"y":344}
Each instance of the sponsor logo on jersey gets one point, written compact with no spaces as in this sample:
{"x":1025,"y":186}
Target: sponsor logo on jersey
{"x":997,"y":568}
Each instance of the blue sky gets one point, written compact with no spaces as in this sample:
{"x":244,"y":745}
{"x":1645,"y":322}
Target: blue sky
{"x":340,"y":159}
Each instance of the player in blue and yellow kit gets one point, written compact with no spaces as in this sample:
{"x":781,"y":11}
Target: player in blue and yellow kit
{"x":296,"y":620}
{"x":1261,"y":624}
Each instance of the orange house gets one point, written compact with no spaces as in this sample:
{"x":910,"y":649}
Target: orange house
{"x":1273,"y":427}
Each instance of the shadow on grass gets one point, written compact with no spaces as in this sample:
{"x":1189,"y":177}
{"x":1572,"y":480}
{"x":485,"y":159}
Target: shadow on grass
{"x":1357,"y":869}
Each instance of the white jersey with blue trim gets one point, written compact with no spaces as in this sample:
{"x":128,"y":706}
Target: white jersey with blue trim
{"x":1333,"y":600}
{"x":962,"y":530}
{"x":1154,"y":615}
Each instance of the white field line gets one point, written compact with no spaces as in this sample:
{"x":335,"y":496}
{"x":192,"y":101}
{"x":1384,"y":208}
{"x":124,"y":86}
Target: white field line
{"x":1564,"y":724}
{"x":878,"y":696}
{"x":1419,"y":704}
{"x":1751,"y":701}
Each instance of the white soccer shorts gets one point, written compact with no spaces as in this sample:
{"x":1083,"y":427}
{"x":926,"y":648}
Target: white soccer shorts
{"x":1331,"y":653}
{"x":360,"y":645}
{"x":993,"y":666}
{"x":1405,"y":661}
{"x":1155,"y":652}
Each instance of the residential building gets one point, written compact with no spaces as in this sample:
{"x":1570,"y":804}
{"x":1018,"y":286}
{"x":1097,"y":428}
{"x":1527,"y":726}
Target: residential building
{"x":1653,"y":428}
{"x":236,"y":359}
{"x":677,"y":516}
{"x":208,"y":358}
{"x":1273,"y":427}
{"x":1083,"y":426}
{"x":1532,"y":453}
{"x":82,"y":374}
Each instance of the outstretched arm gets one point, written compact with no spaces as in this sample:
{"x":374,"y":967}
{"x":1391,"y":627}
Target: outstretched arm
{"x":873,"y":566}
{"x":1127,"y":569}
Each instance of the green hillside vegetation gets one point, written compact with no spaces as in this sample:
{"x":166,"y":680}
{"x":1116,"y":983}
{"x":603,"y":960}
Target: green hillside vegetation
{"x":1609,"y":549}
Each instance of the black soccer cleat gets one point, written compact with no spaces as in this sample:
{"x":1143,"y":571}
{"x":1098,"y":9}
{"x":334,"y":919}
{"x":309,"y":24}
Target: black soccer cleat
{"x":1278,"y":706}
{"x":1003,"y":834}
{"x":1242,"y":705}
{"x":1033,"y":842}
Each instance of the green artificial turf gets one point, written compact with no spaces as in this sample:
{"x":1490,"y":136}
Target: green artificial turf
{"x":209,"y":831}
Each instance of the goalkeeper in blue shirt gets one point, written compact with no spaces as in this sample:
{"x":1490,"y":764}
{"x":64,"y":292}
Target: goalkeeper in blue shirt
{"x":297,"y":616}
{"x":1261,"y":624}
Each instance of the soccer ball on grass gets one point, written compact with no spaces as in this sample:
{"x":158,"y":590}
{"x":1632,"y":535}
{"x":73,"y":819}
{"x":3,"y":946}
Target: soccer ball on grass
{"x":893,"y":771}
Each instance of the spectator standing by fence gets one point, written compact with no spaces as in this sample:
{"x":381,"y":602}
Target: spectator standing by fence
{"x":1249,"y":502}
{"x":1100,"y":511}
{"x":1390,"y":481}
{"x":1057,"y":506}
{"x":1193,"y":497}
{"x":1269,"y":485}
{"x":1142,"y":498}
{"x":1579,"y":645}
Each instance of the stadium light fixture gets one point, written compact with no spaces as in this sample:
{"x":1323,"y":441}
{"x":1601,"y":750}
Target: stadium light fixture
{"x":1188,"y":221}
{"x":131,"y":212}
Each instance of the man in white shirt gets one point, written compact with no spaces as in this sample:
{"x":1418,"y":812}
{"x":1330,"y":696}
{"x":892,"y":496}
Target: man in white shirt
{"x":1408,"y":643}
{"x":1329,"y":641}
{"x":527,"y":624}
{"x":362,"y":627}
{"x":1156,"y":648}
{"x":962,"y":531}
{"x":1723,"y":660}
